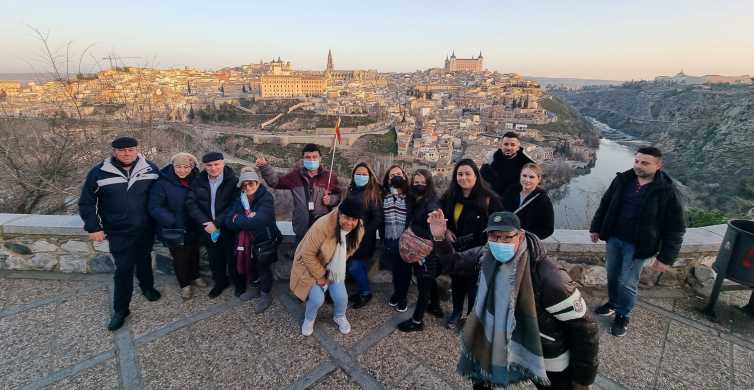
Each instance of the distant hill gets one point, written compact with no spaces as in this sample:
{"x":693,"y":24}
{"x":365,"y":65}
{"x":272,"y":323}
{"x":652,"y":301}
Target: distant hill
{"x":24,"y":77}
{"x":571,"y":83}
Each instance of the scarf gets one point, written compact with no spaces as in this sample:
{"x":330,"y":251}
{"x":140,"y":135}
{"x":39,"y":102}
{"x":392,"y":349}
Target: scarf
{"x":337,"y":266}
{"x":501,"y":343}
{"x":244,"y":264}
{"x":395,"y":208}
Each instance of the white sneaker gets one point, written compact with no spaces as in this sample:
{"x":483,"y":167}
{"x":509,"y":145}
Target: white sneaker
{"x":307,"y":328}
{"x":343,"y":325}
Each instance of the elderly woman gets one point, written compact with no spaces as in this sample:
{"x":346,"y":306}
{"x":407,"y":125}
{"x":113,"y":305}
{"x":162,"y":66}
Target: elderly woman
{"x":174,"y":227}
{"x":530,"y":202}
{"x":253,"y":218}
{"x":319,"y":263}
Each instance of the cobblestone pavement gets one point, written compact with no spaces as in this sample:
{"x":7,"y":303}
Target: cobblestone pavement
{"x":53,"y":336}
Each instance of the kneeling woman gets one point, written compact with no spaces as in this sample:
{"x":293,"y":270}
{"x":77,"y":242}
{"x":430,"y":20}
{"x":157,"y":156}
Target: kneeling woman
{"x":319,"y":263}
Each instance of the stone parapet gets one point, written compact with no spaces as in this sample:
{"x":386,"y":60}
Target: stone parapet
{"x":59,"y":243}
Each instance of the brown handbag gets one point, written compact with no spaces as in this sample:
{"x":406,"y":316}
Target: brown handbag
{"x":413,"y":248}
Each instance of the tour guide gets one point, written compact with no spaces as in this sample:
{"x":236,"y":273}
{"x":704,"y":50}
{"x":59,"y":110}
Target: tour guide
{"x":529,"y":319}
{"x":113,"y":205}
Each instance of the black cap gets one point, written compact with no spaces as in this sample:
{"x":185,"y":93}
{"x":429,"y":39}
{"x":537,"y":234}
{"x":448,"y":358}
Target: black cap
{"x":352,"y":207}
{"x":503,"y":221}
{"x":212,"y":156}
{"x":124,"y":142}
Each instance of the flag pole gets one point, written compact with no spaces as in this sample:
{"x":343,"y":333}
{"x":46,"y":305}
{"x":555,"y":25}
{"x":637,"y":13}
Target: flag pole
{"x":332,"y":161}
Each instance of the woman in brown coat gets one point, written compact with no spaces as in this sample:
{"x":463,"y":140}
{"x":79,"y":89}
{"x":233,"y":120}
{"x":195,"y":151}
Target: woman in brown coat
{"x":319,"y":263}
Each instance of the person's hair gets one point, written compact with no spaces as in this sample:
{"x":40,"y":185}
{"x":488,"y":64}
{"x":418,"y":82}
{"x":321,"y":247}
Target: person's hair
{"x":430,"y":191}
{"x":480,"y":195}
{"x":510,"y":134}
{"x":650,"y":150}
{"x":386,"y":180}
{"x":372,"y":191}
{"x":534,"y":167}
{"x":352,"y":238}
{"x":311,"y":148}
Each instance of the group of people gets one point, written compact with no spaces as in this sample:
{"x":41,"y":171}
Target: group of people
{"x":522,"y":315}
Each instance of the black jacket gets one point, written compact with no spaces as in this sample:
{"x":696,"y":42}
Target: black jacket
{"x":115,"y":201}
{"x":372,"y":221}
{"x":262,"y":226}
{"x":469,"y":229}
{"x":418,"y":214}
{"x":198,"y":200}
{"x":501,"y":172}
{"x":538,"y":216}
{"x":662,"y":223}
{"x":167,"y":204}
{"x":565,"y":325}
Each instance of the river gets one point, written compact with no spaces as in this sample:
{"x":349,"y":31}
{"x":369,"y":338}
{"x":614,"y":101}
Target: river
{"x":576,"y":202}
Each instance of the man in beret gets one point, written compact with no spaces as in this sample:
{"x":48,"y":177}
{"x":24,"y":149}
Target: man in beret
{"x":211,"y":197}
{"x":113,"y":205}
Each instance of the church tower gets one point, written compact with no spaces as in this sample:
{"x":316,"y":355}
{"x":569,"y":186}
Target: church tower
{"x":330,"y":66}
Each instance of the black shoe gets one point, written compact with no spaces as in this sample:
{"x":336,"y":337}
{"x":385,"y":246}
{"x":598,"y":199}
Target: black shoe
{"x":328,"y":298}
{"x":117,"y":320}
{"x":410,"y":326}
{"x":239,"y":290}
{"x":401,"y":307}
{"x":620,"y":326}
{"x":151,"y":294}
{"x":216,"y":291}
{"x":452,"y":321}
{"x":605,"y":310}
{"x":361,"y":301}
{"x":436,"y":311}
{"x":393,"y":302}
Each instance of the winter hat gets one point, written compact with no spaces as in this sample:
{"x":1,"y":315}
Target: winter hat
{"x":247,"y":174}
{"x":124,"y":142}
{"x":212,"y":156}
{"x":352,"y":207}
{"x":184,"y":158}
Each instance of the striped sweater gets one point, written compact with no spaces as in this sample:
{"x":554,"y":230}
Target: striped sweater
{"x":395,"y":209}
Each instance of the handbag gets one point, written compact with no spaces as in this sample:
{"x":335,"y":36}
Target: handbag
{"x":412,"y":247}
{"x":172,"y":237}
{"x":266,"y":252}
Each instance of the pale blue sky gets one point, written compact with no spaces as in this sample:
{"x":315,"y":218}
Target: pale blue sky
{"x":588,"y":39}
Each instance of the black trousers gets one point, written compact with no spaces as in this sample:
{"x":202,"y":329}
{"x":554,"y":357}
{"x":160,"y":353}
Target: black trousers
{"x":222,"y":262}
{"x":464,"y":289}
{"x":400,"y":269}
{"x":264,"y":275}
{"x":428,"y":293}
{"x":132,"y":254}
{"x":186,"y":263}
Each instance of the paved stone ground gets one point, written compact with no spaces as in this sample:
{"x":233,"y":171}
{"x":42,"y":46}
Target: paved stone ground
{"x":52,"y":335}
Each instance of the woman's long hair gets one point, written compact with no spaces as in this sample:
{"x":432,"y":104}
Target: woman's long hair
{"x":386,"y":181}
{"x":352,"y":238}
{"x":372,"y":191}
{"x":480,"y":195}
{"x":429,"y":193}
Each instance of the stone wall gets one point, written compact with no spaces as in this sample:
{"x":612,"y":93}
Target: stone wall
{"x":58,"y":243}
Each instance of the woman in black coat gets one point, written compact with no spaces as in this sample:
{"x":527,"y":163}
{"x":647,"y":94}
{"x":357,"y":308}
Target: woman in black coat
{"x":365,"y":188}
{"x":537,"y":215}
{"x":467,"y":203}
{"x":175,"y":228}
{"x":422,"y":202}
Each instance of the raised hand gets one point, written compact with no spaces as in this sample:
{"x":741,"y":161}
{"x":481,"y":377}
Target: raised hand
{"x":438,"y":225}
{"x":261,"y":162}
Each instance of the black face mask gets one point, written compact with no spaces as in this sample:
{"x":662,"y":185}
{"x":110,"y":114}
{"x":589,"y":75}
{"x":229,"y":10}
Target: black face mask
{"x":397,"y":181}
{"x":419,"y":189}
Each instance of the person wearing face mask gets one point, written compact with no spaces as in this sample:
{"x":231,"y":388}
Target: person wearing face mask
{"x":530,"y":203}
{"x":315,"y":191}
{"x":423,"y":202}
{"x":319,"y":264}
{"x":395,"y":210}
{"x":252,"y":217}
{"x":526,"y":305}
{"x":175,"y":228}
{"x":364,"y":188}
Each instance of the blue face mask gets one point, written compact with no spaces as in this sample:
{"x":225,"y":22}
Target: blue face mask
{"x":502,"y":252}
{"x":360,"y":180}
{"x":311,"y":164}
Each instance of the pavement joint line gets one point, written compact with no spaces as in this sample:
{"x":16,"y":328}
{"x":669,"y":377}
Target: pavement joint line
{"x":185,"y":321}
{"x":385,"y":330}
{"x":662,"y":355}
{"x":732,"y":338}
{"x":68,"y":371}
{"x":338,"y":355}
{"x":130,"y":373}
{"x":313,"y":377}
{"x":608,"y":384}
{"x":17,"y":309}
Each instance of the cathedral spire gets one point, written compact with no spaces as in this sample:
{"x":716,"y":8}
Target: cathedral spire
{"x":330,"y":66}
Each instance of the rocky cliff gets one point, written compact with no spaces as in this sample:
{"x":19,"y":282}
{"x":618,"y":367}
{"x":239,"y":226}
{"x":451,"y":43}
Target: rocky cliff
{"x":707,"y":133}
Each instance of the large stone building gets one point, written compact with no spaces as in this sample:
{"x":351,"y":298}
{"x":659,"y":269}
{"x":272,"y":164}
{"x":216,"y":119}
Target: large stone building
{"x":472,"y":64}
{"x":292,"y":85}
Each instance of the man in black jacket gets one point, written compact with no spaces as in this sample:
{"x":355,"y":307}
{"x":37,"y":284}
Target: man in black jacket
{"x":640,"y":216}
{"x":568,"y":336}
{"x":212,"y":195}
{"x":113,"y":205}
{"x":503,"y":166}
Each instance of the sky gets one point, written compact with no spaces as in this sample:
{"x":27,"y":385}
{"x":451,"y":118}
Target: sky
{"x":613,"y":40}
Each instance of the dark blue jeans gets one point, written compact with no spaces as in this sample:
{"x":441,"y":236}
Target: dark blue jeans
{"x":623,"y":271}
{"x":359,"y":271}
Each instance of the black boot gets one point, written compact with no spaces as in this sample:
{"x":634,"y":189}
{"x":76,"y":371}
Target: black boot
{"x":117,"y":320}
{"x":360,"y":301}
{"x":216,"y":291}
{"x":151,"y":294}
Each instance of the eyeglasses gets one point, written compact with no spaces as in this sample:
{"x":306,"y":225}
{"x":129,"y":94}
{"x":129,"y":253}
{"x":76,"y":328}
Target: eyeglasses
{"x":502,"y":237}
